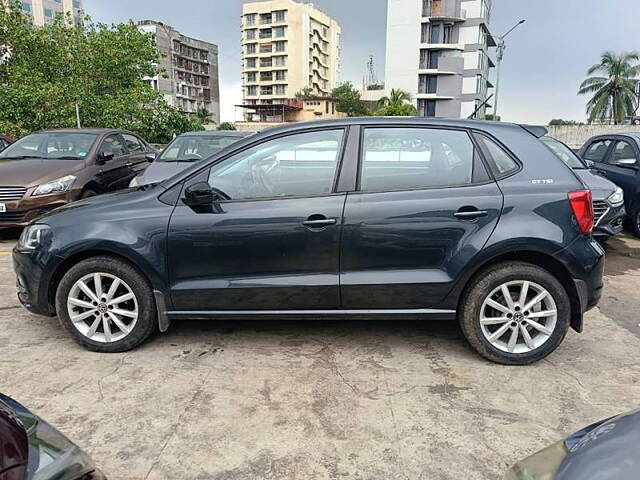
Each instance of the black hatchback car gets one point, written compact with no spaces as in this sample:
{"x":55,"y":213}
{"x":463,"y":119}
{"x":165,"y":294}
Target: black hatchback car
{"x":617,"y":157}
{"x":361,"y":218}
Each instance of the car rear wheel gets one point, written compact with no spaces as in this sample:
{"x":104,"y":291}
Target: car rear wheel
{"x":106,"y":305}
{"x":515,"y":313}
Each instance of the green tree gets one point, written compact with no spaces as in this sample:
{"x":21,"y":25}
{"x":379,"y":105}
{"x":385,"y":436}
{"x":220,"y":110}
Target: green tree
{"x":395,"y":110}
{"x":348,"y":100}
{"x":396,"y":98}
{"x":613,"y":93}
{"x":561,"y":122}
{"x":305,"y":94}
{"x":47,"y":71}
{"x":226,"y":126}
{"x":203,"y":116}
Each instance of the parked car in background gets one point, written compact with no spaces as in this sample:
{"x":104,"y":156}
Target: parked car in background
{"x":52,"y":168}
{"x":358,"y":218}
{"x":617,"y":157}
{"x":184,"y":150}
{"x":5,"y":142}
{"x":608,"y":198}
{"x":30,"y":448}
{"x":605,"y":450}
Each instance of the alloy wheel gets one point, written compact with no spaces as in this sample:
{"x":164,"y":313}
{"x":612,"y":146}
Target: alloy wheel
{"x":102,"y":307}
{"x":518,"y":317}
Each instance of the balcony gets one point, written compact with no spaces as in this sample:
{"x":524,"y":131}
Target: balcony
{"x":444,"y":10}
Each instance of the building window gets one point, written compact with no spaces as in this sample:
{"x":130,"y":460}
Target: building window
{"x":251,"y":34}
{"x":251,"y":63}
{"x":251,"y":19}
{"x":448,"y":34}
{"x":426,"y":108}
{"x":252,"y":91}
{"x":280,"y":15}
{"x":279,"y":89}
{"x":281,"y":46}
{"x":58,"y":1}
{"x":252,"y":77}
{"x":251,"y":48}
{"x":76,"y":4}
{"x":266,"y":91}
{"x":435,"y":33}
{"x":266,"y":48}
{"x":428,"y":84}
{"x":279,"y":32}
{"x":280,"y":61}
{"x":266,"y":77}
{"x":281,"y":75}
{"x":26,"y":7}
{"x":48,"y":13}
{"x":266,"y":33}
{"x":424,"y":35}
{"x":265,"y":18}
{"x":265,"y":62}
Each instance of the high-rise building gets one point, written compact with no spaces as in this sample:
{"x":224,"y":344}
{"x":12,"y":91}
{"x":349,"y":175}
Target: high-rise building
{"x":287,"y":46}
{"x":438,"y":50}
{"x":44,"y":12}
{"x":191,"y":67}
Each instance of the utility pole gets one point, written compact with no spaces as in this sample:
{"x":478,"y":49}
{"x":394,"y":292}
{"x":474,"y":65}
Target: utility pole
{"x":500,"y":55}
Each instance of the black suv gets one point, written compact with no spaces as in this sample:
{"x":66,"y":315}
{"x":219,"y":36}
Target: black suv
{"x":617,"y":157}
{"x":361,"y":218}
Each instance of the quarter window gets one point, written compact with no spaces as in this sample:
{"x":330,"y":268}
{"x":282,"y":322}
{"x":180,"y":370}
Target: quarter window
{"x":299,"y":165}
{"x":415,"y":158}
{"x":597,"y":151}
{"x":500,"y":161}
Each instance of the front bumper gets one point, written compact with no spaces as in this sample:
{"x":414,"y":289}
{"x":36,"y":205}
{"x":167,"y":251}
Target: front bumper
{"x":22,"y":212}
{"x":33,"y":275}
{"x":611,"y":223}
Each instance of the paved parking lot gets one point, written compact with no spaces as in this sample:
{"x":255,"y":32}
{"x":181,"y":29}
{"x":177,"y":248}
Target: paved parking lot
{"x":321,"y":400}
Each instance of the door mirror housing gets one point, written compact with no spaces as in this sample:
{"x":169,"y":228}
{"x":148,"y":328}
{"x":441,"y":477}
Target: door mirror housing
{"x":627,"y":163}
{"x":104,"y":157}
{"x":589,"y":163}
{"x":199,"y":194}
{"x":151,"y":157}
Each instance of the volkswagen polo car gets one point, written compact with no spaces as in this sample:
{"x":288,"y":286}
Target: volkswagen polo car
{"x":373,"y":218}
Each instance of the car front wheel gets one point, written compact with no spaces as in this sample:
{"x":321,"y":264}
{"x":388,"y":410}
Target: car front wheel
{"x":106,"y":305}
{"x":515,"y":313}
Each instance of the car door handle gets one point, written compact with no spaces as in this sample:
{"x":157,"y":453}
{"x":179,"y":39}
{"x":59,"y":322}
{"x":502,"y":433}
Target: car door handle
{"x":319,"y":221}
{"x":470,"y":214}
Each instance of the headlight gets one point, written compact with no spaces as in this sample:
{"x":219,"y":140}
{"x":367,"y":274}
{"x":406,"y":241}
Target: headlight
{"x":32,"y":236}
{"x":617,"y":198}
{"x":134,"y":183}
{"x":57,"y":186}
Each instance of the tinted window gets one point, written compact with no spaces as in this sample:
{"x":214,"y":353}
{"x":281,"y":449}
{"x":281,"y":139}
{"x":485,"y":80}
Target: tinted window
{"x":134,"y":144}
{"x":597,"y":151}
{"x":623,"y":152}
{"x":297,"y":165}
{"x":112,"y":145}
{"x":51,"y":146}
{"x":563,"y":152}
{"x":193,"y":148}
{"x":500,"y":161}
{"x":413,"y":158}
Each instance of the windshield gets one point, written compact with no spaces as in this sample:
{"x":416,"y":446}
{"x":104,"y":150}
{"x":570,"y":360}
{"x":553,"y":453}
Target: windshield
{"x":51,"y":146}
{"x":192,"y":149}
{"x":564,"y":153}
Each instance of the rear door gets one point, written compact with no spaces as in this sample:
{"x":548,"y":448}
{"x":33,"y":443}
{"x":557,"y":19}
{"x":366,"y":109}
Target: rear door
{"x":424,"y":206}
{"x":138,"y":150}
{"x":113,"y":174}
{"x":621,"y":167}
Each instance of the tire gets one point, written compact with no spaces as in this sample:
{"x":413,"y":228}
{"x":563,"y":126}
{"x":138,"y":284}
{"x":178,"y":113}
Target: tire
{"x":636,"y":122}
{"x":634,"y":219}
{"x":136,"y":300}
{"x":88,"y":193}
{"x":487,"y":286}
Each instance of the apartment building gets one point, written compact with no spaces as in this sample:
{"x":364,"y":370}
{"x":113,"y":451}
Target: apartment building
{"x":286,"y":46}
{"x":191,"y":66}
{"x":439,"y":51}
{"x":43,"y":12}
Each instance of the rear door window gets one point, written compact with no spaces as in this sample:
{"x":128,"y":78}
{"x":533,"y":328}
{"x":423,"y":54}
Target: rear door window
{"x":134,"y":144}
{"x":112,"y":144}
{"x":624,"y":153}
{"x":415,"y":158}
{"x":597,"y":151}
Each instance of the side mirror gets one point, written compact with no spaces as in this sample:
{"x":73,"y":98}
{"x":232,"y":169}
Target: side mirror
{"x":104,"y":158}
{"x":627,"y":163}
{"x":199,"y":194}
{"x":589,"y":163}
{"x":151,"y":157}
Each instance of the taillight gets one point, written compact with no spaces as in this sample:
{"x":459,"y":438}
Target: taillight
{"x":582,"y":205}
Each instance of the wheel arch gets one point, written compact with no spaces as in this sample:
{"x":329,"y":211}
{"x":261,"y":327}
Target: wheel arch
{"x":541,"y":259}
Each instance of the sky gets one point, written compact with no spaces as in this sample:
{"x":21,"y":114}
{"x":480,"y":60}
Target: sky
{"x":545,"y":61}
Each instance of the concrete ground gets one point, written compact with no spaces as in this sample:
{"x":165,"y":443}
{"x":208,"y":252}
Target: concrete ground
{"x":321,"y":400}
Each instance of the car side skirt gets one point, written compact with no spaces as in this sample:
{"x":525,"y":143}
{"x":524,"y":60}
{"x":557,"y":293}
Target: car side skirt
{"x":397,"y":314}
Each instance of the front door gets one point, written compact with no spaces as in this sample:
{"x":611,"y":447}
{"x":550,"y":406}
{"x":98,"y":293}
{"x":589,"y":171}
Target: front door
{"x":425,"y":206}
{"x":273,"y":244}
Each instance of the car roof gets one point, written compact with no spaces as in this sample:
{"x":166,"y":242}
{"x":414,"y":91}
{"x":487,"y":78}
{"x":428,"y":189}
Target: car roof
{"x":97,"y":131}
{"x":216,"y":133}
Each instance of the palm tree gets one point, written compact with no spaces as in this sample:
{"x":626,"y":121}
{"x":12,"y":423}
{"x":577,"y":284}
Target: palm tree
{"x":397,"y":98}
{"x":203,"y":115}
{"x":614,"y":93}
